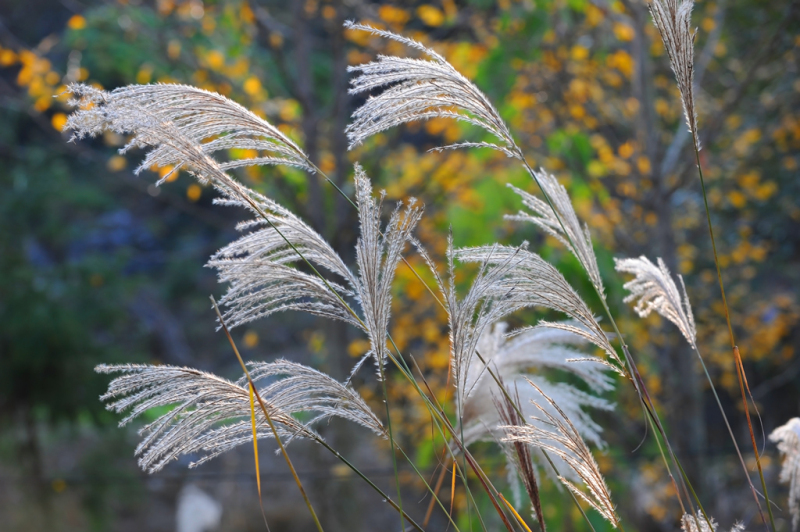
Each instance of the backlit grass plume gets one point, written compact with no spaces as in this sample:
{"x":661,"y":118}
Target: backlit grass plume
{"x":420,"y":89}
{"x":654,"y":290}
{"x":257,"y":267}
{"x":673,"y":18}
{"x":211,"y":415}
{"x":788,"y":439}
{"x":564,"y":225}
{"x":177,"y":120}
{"x":699,"y":523}
{"x":527,"y":354}
{"x":557,"y":435}
{"x":531,"y":281}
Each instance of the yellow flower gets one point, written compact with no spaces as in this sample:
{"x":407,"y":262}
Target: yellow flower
{"x":623,"y":32}
{"x":252,"y":86}
{"x":193,"y":192}
{"x":76,"y":22}
{"x":430,"y":15}
{"x":58,"y":121}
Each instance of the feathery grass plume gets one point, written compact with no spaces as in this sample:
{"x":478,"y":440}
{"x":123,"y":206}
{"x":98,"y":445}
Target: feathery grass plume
{"x":698,"y":523}
{"x":788,"y":439}
{"x":517,"y":359}
{"x":377,"y":256}
{"x":673,"y":18}
{"x":213,"y":414}
{"x":518,"y":456}
{"x":184,"y":126}
{"x":532,"y":281}
{"x":472,"y":315}
{"x":420,"y":89}
{"x":261,"y":280}
{"x":654,"y":290}
{"x":165,"y":116}
{"x":557,"y":435}
{"x":564,"y":225}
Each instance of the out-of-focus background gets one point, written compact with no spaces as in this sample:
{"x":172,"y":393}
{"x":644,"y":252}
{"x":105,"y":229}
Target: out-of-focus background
{"x":97,"y":265}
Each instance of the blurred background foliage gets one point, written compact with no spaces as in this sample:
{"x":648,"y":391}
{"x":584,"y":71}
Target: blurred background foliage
{"x":98,"y":265}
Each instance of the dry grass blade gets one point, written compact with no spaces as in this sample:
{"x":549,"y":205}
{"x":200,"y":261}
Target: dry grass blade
{"x":561,"y":222}
{"x":673,"y":18}
{"x":560,"y":438}
{"x":254,"y":424}
{"x":518,"y":455}
{"x":213,"y":414}
{"x":654,"y":290}
{"x":788,"y":439}
{"x":420,"y":89}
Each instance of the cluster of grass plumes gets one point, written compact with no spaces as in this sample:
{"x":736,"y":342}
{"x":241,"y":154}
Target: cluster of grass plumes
{"x":501,"y":391}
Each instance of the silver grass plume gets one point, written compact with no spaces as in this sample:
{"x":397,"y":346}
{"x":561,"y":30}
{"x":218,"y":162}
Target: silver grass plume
{"x":420,"y":89}
{"x":184,"y":126}
{"x":213,"y":414}
{"x":563,"y":223}
{"x":519,"y":462}
{"x":471,"y":316}
{"x":556,"y":435}
{"x":788,"y":439}
{"x":377,"y":255}
{"x":654,"y":290}
{"x":699,"y":523}
{"x":532,"y":281}
{"x":521,"y":355}
{"x":261,"y":280}
{"x":673,"y":18}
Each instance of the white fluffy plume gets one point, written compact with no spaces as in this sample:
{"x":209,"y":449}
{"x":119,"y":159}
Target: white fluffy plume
{"x":184,"y":126}
{"x":420,"y":89}
{"x":528,"y":280}
{"x":261,"y":279}
{"x":525,"y":355}
{"x":556,"y":434}
{"x":788,"y":439}
{"x":654,"y":290}
{"x":212,"y":415}
{"x":699,"y":523}
{"x":563,"y":223}
{"x":673,"y":18}
{"x":261,"y":282}
{"x":377,"y":255}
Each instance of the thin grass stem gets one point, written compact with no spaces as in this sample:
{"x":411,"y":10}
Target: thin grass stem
{"x":734,"y":348}
{"x":268,"y":418}
{"x":391,"y":440}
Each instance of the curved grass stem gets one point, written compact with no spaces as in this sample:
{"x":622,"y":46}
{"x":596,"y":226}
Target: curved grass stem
{"x":737,"y":360}
{"x":268,"y":418}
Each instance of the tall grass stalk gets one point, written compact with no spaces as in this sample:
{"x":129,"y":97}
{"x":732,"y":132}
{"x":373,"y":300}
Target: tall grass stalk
{"x":673,"y":20}
{"x":253,"y":391}
{"x":411,"y":100}
{"x":183,"y":126}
